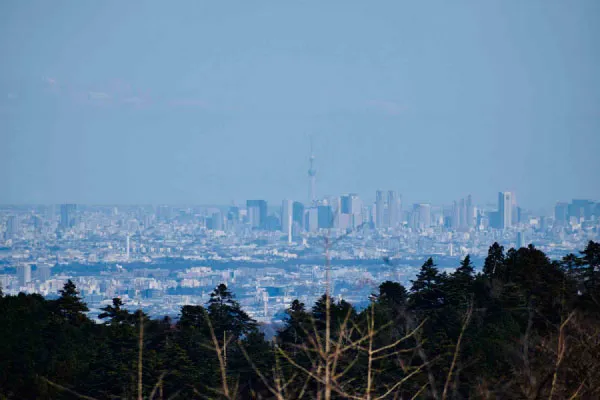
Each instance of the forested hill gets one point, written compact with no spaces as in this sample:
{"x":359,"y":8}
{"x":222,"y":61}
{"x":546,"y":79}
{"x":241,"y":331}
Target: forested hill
{"x":525,"y":327}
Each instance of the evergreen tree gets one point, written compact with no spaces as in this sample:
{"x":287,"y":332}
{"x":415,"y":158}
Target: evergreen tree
{"x":459,"y":286}
{"x":69,"y":305}
{"x":226,"y":315}
{"x":571,"y":265}
{"x":23,"y":350}
{"x":494,"y":261}
{"x":426,"y":290}
{"x":114,"y":312}
{"x":591,"y":274}
{"x":113,"y":367}
{"x":192,"y":317}
{"x":465,"y":270}
{"x":338,"y":312}
{"x":392,"y":293}
{"x":297,"y":325}
{"x":508,"y":350}
{"x":192,"y":344}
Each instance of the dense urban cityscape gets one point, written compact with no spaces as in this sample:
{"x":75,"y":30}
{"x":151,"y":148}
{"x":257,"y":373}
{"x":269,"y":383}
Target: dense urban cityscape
{"x":160,"y":258}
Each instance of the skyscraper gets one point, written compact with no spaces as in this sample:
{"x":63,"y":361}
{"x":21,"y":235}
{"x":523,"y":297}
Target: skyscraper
{"x":298,"y":214}
{"x":514,"y":216}
{"x":424,"y":215}
{"x":257,"y":213}
{"x":217,"y":221}
{"x":67,"y":215}
{"x":233,"y":217}
{"x":43,"y":272}
{"x":456,"y":217}
{"x":505,"y":207}
{"x":561,"y":214}
{"x":12,"y":226}
{"x":24,"y":274}
{"x":286,"y":216}
{"x":462,"y":204}
{"x":347,"y":203}
{"x":393,"y":209}
{"x":325,"y":216}
{"x":470,"y":212}
{"x":351,"y":205}
{"x":311,"y":222}
{"x":520,"y":240}
{"x":581,"y":209}
{"x":379,"y":209}
{"x":421,"y":216}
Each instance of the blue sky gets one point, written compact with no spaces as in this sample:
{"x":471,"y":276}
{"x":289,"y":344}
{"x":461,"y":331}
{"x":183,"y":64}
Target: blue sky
{"x":211,"y":102}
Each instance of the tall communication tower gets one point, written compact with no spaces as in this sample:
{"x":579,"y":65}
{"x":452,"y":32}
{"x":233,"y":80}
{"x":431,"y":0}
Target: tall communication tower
{"x":312,"y":175}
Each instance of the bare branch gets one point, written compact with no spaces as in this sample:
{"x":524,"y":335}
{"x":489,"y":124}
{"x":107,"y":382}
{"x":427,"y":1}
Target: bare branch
{"x":402,"y":339}
{"x":400,"y":382}
{"x":222,"y":366}
{"x":276,"y":393}
{"x":560,"y":353}
{"x":158,"y":383}
{"x":66,"y":389}
{"x":457,"y":349}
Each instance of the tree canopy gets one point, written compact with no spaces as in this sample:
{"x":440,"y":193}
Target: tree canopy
{"x":523,"y":327}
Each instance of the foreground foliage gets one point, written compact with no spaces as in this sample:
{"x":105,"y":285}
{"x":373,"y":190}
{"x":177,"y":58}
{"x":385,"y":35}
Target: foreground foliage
{"x":526,"y":327}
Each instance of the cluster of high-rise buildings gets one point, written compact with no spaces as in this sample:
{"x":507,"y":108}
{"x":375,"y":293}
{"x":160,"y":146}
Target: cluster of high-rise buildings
{"x":575,"y":212}
{"x":349,"y":212}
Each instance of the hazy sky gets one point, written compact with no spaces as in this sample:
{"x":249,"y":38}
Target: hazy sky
{"x":211,"y":102}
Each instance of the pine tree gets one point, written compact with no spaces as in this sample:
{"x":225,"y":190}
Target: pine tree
{"x":227,"y":315}
{"x":297,"y":324}
{"x":466,"y":268}
{"x":69,"y":305}
{"x":494,"y":261}
{"x":459,"y":286}
{"x":337,"y":313}
{"x":192,"y":317}
{"x":426,"y":293}
{"x":192,"y":336}
{"x":591,"y":265}
{"x":392,"y":293}
{"x":114,"y":312}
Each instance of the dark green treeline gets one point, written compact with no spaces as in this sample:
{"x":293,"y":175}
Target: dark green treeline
{"x":525,"y":327}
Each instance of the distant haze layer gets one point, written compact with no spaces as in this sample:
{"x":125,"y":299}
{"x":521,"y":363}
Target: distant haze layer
{"x":202,"y":103}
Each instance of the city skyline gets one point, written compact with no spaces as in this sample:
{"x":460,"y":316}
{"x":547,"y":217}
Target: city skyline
{"x":345,"y":211}
{"x":369,"y":199}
